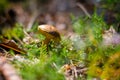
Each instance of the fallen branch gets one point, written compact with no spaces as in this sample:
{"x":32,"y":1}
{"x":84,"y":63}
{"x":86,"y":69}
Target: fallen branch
{"x":7,"y":71}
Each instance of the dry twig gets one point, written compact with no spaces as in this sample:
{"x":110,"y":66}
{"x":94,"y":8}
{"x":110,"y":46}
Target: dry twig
{"x":84,"y":9}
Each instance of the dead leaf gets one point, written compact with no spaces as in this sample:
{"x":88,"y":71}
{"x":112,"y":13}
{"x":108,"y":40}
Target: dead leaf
{"x":11,"y":44}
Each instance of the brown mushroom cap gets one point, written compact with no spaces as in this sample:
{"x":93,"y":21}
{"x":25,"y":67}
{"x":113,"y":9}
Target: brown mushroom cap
{"x":49,"y":32}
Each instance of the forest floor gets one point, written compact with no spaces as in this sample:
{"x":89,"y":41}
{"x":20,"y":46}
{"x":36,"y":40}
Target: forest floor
{"x":59,"y":41}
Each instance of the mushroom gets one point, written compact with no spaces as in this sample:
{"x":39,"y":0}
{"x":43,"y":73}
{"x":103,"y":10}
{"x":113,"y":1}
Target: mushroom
{"x":50,"y":32}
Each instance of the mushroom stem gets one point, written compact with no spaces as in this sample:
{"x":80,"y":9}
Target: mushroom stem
{"x":46,"y":41}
